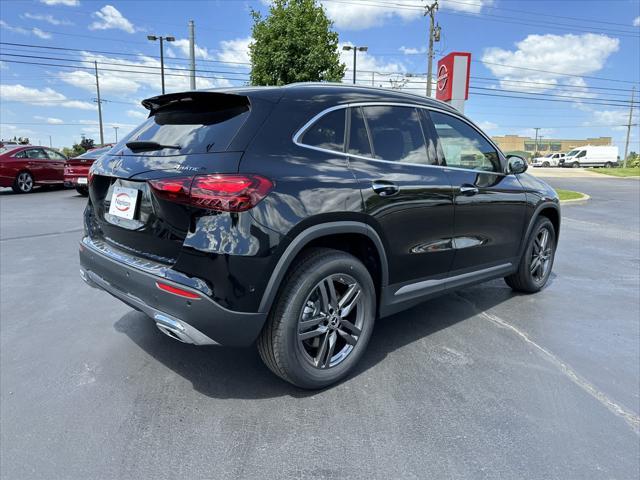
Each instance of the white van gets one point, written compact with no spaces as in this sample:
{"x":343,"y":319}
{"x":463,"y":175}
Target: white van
{"x":591,"y":156}
{"x":549,"y":160}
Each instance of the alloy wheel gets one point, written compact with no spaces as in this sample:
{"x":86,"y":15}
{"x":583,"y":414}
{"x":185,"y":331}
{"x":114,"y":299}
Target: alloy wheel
{"x":25,"y":182}
{"x":541,"y":255}
{"x":331,"y":321}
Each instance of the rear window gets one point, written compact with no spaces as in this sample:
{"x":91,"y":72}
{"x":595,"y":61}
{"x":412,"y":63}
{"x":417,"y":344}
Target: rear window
{"x":95,"y":153}
{"x":205,"y":129}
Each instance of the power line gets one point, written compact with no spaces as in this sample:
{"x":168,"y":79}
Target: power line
{"x":103,"y":52}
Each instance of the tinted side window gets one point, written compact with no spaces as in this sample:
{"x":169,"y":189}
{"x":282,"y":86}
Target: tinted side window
{"x":396,"y":134}
{"x":21,"y":154}
{"x":36,"y":153}
{"x":462,"y":146}
{"x":358,"y":136}
{"x":327,"y":132}
{"x":581,"y":154}
{"x":55,"y":155}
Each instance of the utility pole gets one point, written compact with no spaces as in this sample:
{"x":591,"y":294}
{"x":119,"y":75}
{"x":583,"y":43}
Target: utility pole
{"x":99,"y":101}
{"x":536,"y":144}
{"x":153,"y":38}
{"x":434,"y":35}
{"x":192,"y":53}
{"x":50,"y":142}
{"x":355,"y":50}
{"x":116,"y":129}
{"x":626,"y":145}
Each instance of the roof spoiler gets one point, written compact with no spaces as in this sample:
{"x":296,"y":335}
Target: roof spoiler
{"x":217,"y":99}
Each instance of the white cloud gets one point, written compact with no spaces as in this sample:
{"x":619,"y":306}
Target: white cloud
{"x":11,"y":28}
{"x":68,"y":3}
{"x":139,"y":76}
{"x":46,"y":18}
{"x":110,"y":18}
{"x":49,"y":120}
{"x":109,"y":81}
{"x":23,"y":31}
{"x":359,"y":16}
{"x":235,"y":51}
{"x":412,"y":50}
{"x":636,"y":22}
{"x":182,"y":44}
{"x":46,"y":97}
{"x":544,"y":58}
{"x":616,"y":119}
{"x":137,"y":114}
{"x":41,"y":34}
{"x":487,"y":125}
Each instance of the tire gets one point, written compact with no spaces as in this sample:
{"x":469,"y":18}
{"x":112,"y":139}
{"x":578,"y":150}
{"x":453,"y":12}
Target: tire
{"x":525,"y":279}
{"x":608,"y":165}
{"x":575,"y":165}
{"x":303,"y":354}
{"x":23,"y":183}
{"x":545,"y":164}
{"x":84,"y":191}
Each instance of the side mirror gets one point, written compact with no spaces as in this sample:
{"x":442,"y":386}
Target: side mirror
{"x":516,"y":165}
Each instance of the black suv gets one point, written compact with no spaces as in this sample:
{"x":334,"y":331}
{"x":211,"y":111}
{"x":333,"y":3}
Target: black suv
{"x":295,"y":216}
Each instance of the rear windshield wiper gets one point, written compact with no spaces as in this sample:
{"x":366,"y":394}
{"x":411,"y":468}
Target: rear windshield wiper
{"x":149,"y":146}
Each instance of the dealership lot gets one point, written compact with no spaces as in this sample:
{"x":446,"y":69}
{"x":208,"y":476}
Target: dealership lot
{"x":478,"y":384}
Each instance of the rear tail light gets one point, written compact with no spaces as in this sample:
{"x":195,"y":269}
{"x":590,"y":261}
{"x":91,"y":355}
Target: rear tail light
{"x":90,"y":176}
{"x":224,"y":192}
{"x":177,"y":291}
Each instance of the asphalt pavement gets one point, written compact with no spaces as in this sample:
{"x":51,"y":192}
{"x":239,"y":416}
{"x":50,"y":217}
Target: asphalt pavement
{"x":480,"y":384}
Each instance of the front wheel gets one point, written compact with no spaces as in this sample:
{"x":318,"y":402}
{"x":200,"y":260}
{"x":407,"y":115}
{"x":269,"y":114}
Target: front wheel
{"x":322,"y":321}
{"x":536,"y":263}
{"x":575,"y":165}
{"x":545,"y":164}
{"x":23,"y":183}
{"x":608,"y":165}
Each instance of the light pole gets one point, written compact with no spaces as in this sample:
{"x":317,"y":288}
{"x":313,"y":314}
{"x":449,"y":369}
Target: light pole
{"x":116,"y":129}
{"x":153,"y":38}
{"x":355,"y":50}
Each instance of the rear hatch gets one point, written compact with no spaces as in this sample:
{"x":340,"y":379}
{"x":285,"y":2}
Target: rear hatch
{"x":186,"y":135}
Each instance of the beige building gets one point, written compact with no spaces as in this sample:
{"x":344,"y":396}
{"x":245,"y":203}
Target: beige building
{"x":516,"y":143}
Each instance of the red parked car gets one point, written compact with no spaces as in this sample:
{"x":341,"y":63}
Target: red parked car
{"x":76,"y":169}
{"x":23,"y":167}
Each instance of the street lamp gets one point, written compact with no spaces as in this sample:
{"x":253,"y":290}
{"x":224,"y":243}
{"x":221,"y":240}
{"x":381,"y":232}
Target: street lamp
{"x":153,"y":38}
{"x":355,"y":49}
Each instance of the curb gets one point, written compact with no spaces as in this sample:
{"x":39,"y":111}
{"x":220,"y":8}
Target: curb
{"x":583,"y":198}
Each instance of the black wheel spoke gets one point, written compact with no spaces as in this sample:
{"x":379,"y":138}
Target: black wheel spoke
{"x":312,"y":333}
{"x":349,"y":300}
{"x":312,"y":322}
{"x":350,"y":326}
{"x":346,"y":337}
{"x":322,"y":350}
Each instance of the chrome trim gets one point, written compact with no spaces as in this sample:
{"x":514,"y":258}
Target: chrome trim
{"x":413,"y":287}
{"x":148,"y":266}
{"x":302,"y":130}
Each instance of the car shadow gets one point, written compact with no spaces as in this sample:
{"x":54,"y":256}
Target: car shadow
{"x":226,"y":372}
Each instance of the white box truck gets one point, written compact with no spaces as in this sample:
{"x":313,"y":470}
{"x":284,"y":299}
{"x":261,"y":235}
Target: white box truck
{"x":591,"y":156}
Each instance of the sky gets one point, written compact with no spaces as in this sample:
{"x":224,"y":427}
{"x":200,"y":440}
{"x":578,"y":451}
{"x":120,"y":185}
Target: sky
{"x":564,"y":66}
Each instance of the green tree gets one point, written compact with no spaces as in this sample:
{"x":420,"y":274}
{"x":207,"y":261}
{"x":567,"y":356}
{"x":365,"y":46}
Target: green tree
{"x":294,"y":43}
{"x":87,"y":143}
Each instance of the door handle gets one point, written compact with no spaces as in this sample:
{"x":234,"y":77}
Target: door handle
{"x":468,"y":190}
{"x":384,"y":188}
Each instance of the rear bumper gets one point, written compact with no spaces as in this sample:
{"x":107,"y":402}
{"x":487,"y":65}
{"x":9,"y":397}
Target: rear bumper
{"x":200,"y":320}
